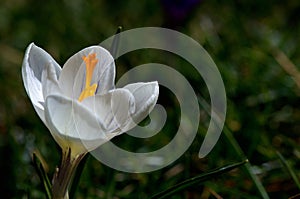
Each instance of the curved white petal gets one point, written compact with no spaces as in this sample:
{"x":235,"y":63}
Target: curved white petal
{"x":113,"y":108}
{"x":49,"y":81}
{"x":145,"y":95}
{"x":73,"y":125}
{"x":72,"y":79}
{"x":34,"y":61}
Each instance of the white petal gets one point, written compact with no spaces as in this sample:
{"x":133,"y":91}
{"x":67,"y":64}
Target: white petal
{"x":73,"y":125}
{"x":146,"y":95}
{"x":35,"y":60}
{"x":72,"y":79}
{"x":50,"y":81}
{"x":113,"y":109}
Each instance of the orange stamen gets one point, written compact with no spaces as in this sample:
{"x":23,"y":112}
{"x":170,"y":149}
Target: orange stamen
{"x":90,"y":64}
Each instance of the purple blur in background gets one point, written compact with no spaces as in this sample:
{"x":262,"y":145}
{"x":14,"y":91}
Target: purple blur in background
{"x":177,"y":12}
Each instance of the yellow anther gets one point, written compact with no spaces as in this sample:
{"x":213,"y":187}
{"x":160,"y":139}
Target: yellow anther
{"x":90,"y":64}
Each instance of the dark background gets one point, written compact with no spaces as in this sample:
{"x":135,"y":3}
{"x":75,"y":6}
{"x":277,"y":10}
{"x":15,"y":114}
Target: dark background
{"x":255,"y":45}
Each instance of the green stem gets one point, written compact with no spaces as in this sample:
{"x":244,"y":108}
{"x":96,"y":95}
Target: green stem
{"x":63,"y":176}
{"x":77,"y":176}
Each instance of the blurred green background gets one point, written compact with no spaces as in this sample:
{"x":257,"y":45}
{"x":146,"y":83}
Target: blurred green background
{"x":255,"y":45}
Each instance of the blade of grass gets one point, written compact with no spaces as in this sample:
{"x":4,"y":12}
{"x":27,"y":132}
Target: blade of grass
{"x":236,"y":147}
{"x":289,"y":169}
{"x":42,"y":175}
{"x":196,"y":180}
{"x":295,"y":196}
{"x":115,"y":44}
{"x":248,"y":165}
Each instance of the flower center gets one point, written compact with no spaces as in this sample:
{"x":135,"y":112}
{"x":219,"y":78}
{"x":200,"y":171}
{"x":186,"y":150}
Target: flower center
{"x":90,"y":63}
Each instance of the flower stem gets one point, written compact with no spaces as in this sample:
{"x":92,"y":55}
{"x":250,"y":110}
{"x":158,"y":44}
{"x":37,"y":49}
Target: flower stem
{"x":63,"y":176}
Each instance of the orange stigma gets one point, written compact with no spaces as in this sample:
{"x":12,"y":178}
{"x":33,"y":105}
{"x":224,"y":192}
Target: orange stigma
{"x":90,"y":64}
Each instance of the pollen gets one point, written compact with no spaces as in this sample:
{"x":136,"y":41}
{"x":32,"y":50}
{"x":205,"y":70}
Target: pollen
{"x":90,"y":64}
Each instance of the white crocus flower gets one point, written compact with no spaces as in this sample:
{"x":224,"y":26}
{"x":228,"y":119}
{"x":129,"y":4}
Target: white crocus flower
{"x":79,"y":103}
